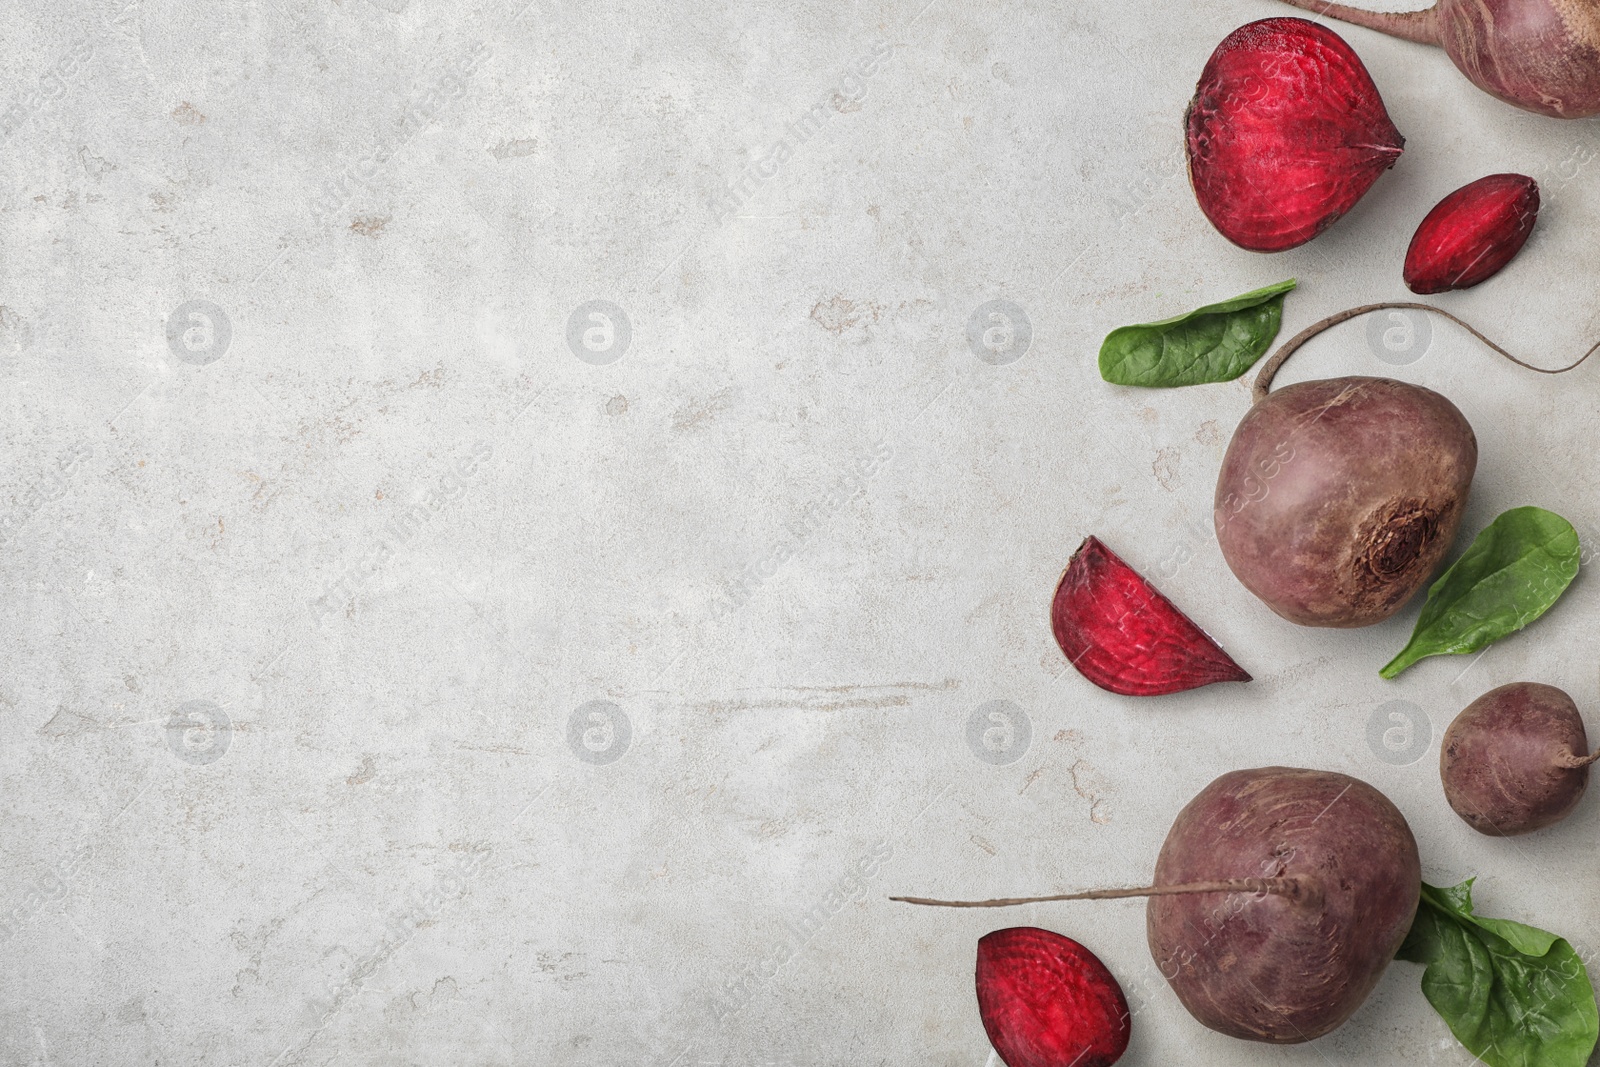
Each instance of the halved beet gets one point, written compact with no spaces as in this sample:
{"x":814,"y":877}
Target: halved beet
{"x":1124,"y":636}
{"x":1286,"y":132}
{"x":1047,"y":1001}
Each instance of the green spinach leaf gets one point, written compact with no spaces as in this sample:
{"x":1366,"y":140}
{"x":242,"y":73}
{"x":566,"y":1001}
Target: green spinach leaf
{"x":1508,"y":577}
{"x":1216,"y":343}
{"x":1514,"y":995}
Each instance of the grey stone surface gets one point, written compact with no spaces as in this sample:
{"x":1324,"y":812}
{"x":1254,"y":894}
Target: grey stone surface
{"x":516,"y":519}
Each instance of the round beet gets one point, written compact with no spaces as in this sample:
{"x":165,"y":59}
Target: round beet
{"x":1338,"y":498}
{"x":1046,"y":1001}
{"x":1279,"y":968}
{"x":1516,"y":759}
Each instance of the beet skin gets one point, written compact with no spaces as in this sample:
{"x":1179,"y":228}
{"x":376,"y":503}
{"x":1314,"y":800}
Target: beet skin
{"x":1271,"y":968}
{"x":1508,"y":760}
{"x":1338,"y":498}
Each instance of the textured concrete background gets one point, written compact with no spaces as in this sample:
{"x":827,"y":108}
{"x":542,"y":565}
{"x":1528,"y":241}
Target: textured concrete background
{"x":516,"y":519}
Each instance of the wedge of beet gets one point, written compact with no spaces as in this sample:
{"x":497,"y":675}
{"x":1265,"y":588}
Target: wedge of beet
{"x":1286,"y":132}
{"x":1124,"y":636}
{"x":1472,"y":233}
{"x":1047,"y":1001}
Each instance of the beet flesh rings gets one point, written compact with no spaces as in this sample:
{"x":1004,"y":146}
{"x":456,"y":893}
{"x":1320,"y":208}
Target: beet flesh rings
{"x":1286,"y":132}
{"x":1047,"y":1001}
{"x":1124,"y":636}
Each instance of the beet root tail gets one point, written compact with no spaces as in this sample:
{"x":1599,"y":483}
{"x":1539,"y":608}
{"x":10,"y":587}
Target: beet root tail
{"x":1572,"y":761}
{"x":1419,"y":26}
{"x":1296,"y":889}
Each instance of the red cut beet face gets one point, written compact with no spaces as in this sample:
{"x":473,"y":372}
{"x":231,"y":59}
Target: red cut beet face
{"x":1047,"y":1001}
{"x":1472,"y":233}
{"x":1126,"y":637}
{"x":1285,"y":133}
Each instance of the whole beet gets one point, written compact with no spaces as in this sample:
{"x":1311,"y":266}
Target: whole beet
{"x":1275,"y":968}
{"x":1338,"y":498}
{"x":1539,"y":55}
{"x":1515,"y":760}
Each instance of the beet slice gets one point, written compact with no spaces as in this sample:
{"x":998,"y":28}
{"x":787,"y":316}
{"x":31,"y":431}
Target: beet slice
{"x":1472,"y":233}
{"x":1124,"y":636}
{"x":1286,"y":132}
{"x":1047,"y":1001}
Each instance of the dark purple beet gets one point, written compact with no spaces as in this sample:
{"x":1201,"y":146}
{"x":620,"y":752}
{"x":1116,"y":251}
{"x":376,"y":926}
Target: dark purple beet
{"x":1338,"y":498}
{"x":1269,"y":967}
{"x":1516,"y":759}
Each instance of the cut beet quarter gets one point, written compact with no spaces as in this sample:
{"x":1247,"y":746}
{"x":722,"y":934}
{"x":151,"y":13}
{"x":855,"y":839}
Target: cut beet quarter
{"x":1123,"y":635}
{"x":1047,"y":1001}
{"x":1285,"y":133}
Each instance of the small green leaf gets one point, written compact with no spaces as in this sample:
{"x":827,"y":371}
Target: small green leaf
{"x":1216,"y":343}
{"x":1508,"y":577}
{"x":1514,"y":995}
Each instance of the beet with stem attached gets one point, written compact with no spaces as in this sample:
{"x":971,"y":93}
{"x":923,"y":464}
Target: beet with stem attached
{"x":1516,"y":759}
{"x":1310,"y":513}
{"x":1284,"y":968}
{"x":1539,"y":55}
{"x":1285,"y":133}
{"x":1472,"y":233}
{"x":1046,"y":1001}
{"x":1279,"y":898}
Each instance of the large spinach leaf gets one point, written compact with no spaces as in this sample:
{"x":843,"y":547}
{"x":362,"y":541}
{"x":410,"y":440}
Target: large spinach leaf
{"x":1508,"y":577}
{"x":1514,"y":995}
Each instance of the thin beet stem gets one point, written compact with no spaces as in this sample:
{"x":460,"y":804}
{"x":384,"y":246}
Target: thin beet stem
{"x":1572,"y":761}
{"x":1419,"y":26}
{"x":1269,"y":369}
{"x":1293,"y":888}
